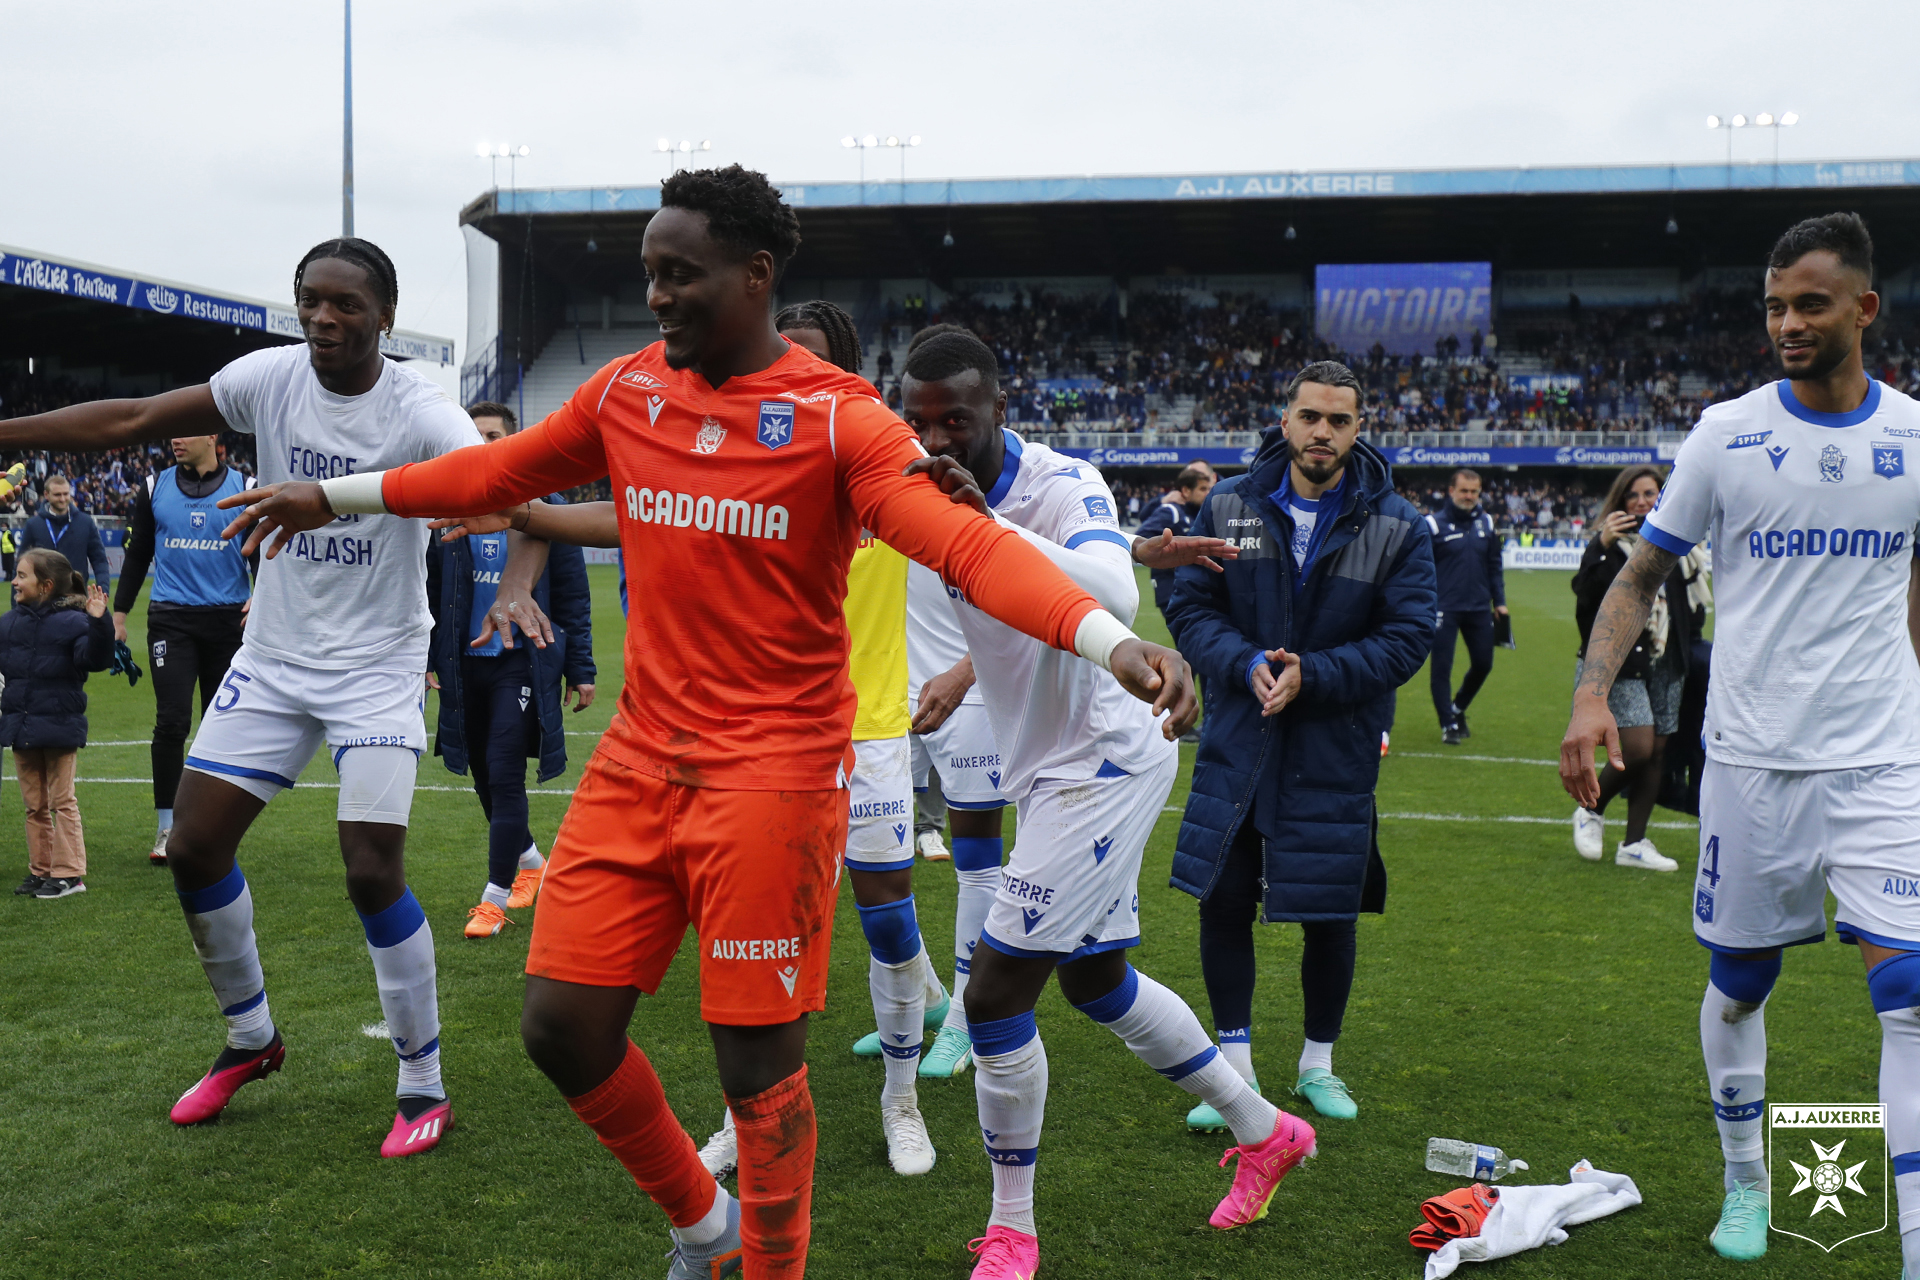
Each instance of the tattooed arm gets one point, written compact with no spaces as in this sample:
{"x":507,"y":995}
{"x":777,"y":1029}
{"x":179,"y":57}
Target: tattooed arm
{"x":1622,"y":619}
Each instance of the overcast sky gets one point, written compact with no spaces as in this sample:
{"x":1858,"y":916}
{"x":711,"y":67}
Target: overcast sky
{"x":199,"y":140}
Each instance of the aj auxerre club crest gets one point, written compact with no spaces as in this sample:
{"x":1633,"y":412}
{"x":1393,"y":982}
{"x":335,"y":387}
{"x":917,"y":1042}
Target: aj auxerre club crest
{"x":710,"y":436}
{"x":1833,"y":464}
{"x":776,"y":423}
{"x":489,"y":549}
{"x":197,"y":519}
{"x":1888,"y":461}
{"x":1829,"y":1180}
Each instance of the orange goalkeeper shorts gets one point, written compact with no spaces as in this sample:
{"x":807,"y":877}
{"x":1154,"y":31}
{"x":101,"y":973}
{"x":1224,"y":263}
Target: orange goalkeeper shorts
{"x":638,"y":859}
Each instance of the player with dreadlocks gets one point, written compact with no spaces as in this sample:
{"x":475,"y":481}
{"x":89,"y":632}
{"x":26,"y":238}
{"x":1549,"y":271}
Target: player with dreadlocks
{"x":744,"y":469}
{"x":332,"y":406}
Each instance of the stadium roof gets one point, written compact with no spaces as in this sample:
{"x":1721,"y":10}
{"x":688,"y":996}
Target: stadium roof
{"x":90,"y":314}
{"x":1218,"y":222}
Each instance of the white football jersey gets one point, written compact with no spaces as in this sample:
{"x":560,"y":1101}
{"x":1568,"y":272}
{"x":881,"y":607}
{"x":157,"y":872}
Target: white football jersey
{"x":1054,"y":714}
{"x":935,"y":643}
{"x":1812,"y":519}
{"x":352,"y":594}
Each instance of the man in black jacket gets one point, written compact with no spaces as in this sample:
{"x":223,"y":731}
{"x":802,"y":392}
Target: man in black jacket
{"x":60,"y":526}
{"x":1466,"y":564}
{"x":1175,"y":512}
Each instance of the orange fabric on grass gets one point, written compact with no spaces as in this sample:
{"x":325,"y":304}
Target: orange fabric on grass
{"x":739,"y":509}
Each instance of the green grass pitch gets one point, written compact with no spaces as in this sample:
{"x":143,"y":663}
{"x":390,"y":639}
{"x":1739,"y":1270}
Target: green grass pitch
{"x":1512,"y":994}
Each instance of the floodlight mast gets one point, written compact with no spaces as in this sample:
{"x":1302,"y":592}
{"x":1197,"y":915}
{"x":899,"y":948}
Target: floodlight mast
{"x":346,"y":150}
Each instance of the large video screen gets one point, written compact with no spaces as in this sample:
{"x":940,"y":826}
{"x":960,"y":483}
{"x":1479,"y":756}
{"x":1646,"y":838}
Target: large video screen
{"x":1403,"y":306}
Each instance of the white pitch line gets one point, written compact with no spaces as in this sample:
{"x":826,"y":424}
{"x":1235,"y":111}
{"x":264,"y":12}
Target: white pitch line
{"x":1467,"y":817}
{"x":330,"y":786}
{"x":1448,"y":755}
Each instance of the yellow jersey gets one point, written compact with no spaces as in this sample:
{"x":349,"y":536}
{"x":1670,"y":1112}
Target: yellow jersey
{"x":877,"y":624}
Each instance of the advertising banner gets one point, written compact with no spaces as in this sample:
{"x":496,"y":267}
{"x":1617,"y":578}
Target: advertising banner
{"x":30,"y":271}
{"x":1403,"y":306}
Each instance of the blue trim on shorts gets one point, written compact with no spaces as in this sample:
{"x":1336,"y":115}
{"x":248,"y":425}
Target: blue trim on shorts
{"x":1754,"y":951}
{"x":235,"y":770}
{"x":1108,"y":769}
{"x":1847,"y":933}
{"x":977,"y":805}
{"x":1906,"y":1162}
{"x":877,"y":866}
{"x":1095,"y":948}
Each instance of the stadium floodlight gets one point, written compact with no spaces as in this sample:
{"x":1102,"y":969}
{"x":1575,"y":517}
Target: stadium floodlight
{"x":1790,"y":119}
{"x":895,"y":140}
{"x":1738,"y":122}
{"x":494,"y":152}
{"x":849,"y":141}
{"x":1764,"y":119}
{"x":1713,"y":122}
{"x":663,"y":145}
{"x":869,"y":141}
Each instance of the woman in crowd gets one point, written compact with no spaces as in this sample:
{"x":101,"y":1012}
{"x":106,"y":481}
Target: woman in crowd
{"x":1646,"y":698}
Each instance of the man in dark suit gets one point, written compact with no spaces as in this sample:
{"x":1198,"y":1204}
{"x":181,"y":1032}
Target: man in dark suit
{"x":60,"y":526}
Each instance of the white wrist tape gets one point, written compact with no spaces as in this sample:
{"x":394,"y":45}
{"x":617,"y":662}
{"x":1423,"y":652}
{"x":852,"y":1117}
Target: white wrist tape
{"x":1098,"y":635}
{"x":356,"y":494}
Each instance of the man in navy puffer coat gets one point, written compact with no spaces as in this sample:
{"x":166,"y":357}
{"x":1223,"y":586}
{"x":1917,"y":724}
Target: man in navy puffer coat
{"x":1303,"y":639}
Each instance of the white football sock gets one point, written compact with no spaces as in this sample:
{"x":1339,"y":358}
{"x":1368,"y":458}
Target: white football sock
{"x":1164,"y":1033}
{"x":1900,"y":1093}
{"x":1010,"y":1090}
{"x":220,"y":918}
{"x":899,"y":1010}
{"x":532,"y":861}
{"x":1316,"y":1054}
{"x":972,"y":900}
{"x":1236,"y":1046}
{"x":401,"y":944}
{"x":709,"y":1228}
{"x":163,"y":820}
{"x":495,"y":894}
{"x":934,"y":993}
{"x":1733,"y":1040}
{"x":957,"y":1011}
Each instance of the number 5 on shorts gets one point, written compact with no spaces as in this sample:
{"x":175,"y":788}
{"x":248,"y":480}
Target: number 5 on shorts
{"x":229,"y":691}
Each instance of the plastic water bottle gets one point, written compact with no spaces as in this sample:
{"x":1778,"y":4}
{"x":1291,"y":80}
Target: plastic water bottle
{"x":1469,"y":1160}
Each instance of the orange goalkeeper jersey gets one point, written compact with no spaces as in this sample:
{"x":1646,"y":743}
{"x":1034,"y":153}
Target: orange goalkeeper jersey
{"x":739,"y":509}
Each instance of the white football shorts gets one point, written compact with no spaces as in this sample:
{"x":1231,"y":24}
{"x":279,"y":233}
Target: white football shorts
{"x":269,"y":717}
{"x":880,"y":806}
{"x":1773,"y":842}
{"x":962,"y":750}
{"x":1072,"y":886}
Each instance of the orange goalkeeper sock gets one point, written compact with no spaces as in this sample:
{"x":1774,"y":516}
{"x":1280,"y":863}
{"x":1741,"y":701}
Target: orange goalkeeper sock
{"x":777,"y":1139}
{"x":628,"y":1112}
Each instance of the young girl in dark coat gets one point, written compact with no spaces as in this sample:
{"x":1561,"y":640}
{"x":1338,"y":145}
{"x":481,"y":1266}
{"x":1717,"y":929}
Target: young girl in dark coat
{"x":49,"y":641}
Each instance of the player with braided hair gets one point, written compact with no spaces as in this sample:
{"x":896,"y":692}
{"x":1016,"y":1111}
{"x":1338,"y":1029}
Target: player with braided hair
{"x":334,"y":652}
{"x":838,"y":342}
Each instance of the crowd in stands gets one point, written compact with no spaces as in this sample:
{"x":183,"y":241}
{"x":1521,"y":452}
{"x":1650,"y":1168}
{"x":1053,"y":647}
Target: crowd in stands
{"x":1172,"y":364}
{"x":1519,"y":504}
{"x":103,"y":483}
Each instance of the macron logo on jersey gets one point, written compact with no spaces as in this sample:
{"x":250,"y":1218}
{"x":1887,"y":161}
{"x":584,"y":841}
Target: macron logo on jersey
{"x":707,"y":514}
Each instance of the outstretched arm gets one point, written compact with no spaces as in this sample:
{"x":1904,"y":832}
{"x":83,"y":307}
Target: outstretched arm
{"x":1617,"y":628}
{"x":112,"y":424}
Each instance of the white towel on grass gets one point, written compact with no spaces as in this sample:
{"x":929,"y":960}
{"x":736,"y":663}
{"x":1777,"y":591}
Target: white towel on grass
{"x":1528,"y":1217}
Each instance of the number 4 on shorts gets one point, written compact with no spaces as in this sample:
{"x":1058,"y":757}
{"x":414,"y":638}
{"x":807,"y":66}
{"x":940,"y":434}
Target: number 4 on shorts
{"x":1710,"y":872}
